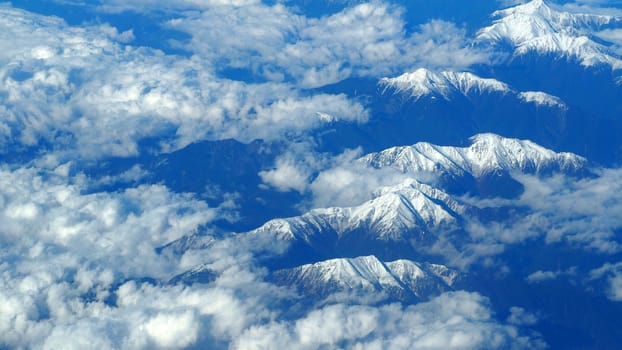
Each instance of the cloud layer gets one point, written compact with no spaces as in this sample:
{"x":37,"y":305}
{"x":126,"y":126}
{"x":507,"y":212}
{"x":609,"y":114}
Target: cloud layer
{"x":84,"y":269}
{"x":368,"y":39}
{"x":63,"y":252}
{"x":82,"y":89}
{"x":457,"y":320}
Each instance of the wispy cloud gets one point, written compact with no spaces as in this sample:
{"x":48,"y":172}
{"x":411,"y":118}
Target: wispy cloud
{"x":557,"y":210}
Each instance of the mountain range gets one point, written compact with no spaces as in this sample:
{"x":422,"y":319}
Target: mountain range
{"x":298,"y":174}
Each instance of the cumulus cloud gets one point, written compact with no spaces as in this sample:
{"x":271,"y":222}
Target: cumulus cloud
{"x":44,"y":215}
{"x":82,"y":90}
{"x":144,"y":316}
{"x":276,"y":42}
{"x":286,"y":176}
{"x":581,"y":212}
{"x":511,"y":2}
{"x":613,"y":36}
{"x":72,"y":266}
{"x":456,"y":320}
{"x":613,"y":274}
{"x":560,"y":210}
{"x":351,"y":184}
{"x":368,"y":39}
{"x":132,"y":175}
{"x":64,"y":251}
{"x":329,"y":180}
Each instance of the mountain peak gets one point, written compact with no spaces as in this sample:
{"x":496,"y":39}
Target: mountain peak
{"x":539,"y":27}
{"x":400,"y":278}
{"x":444,"y":84}
{"x":532,"y":7}
{"x":395,"y":214}
{"x":448,"y":84}
{"x":487,"y":152}
{"x":542,"y":99}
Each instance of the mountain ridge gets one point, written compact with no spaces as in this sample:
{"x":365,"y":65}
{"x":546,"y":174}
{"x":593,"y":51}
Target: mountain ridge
{"x":402,"y":279}
{"x":538,"y":26}
{"x":487,"y":152}
{"x":448,"y":84}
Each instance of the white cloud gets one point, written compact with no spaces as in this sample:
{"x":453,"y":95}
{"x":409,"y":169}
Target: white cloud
{"x":114,"y":6}
{"x":519,"y":316}
{"x":613,"y":274}
{"x":456,"y":320}
{"x":43,"y":209}
{"x":613,"y":36}
{"x":63,"y":251}
{"x":173,"y":330}
{"x":331,"y":180}
{"x":539,"y":276}
{"x":286,"y":176}
{"x":561,"y":209}
{"x":580,"y":211}
{"x":349,"y":183}
{"x":84,"y":91}
{"x":66,"y":257}
{"x":509,"y":3}
{"x":367,"y":39}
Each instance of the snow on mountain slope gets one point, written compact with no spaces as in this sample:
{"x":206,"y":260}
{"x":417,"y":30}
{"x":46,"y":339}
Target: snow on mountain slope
{"x":397,"y":213}
{"x":487,"y":153}
{"x":367,"y":274}
{"x":542,"y":99}
{"x":447,"y":84}
{"x":412,"y":211}
{"x":425,"y":82}
{"x":545,"y":28}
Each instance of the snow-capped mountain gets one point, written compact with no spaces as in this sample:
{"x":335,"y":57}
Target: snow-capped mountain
{"x":444,"y":84}
{"x":542,"y":99}
{"x":407,"y":213}
{"x":448,"y":84}
{"x":486,"y":154}
{"x":402,"y":279}
{"x":545,"y":28}
{"x":413,"y":212}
